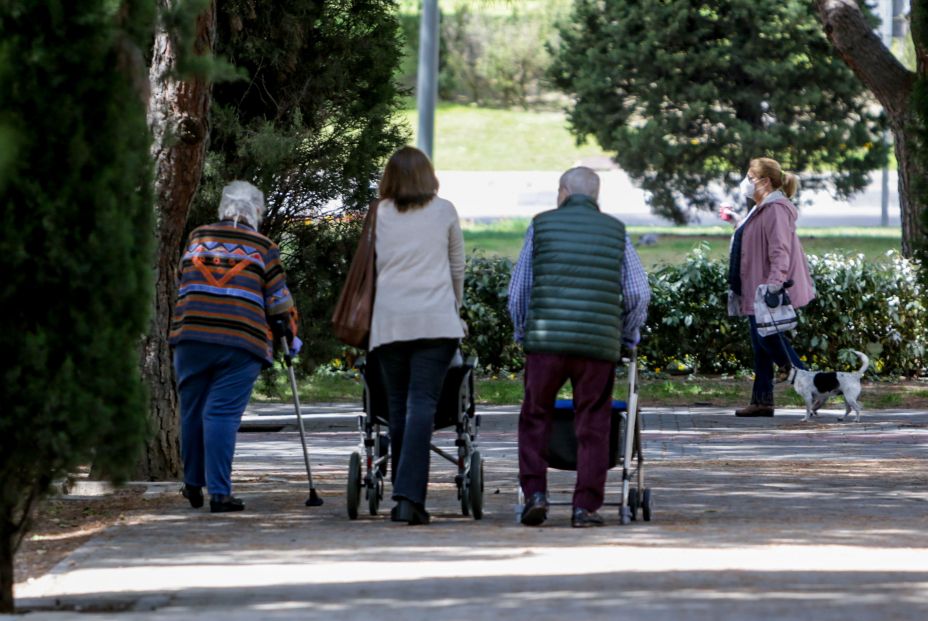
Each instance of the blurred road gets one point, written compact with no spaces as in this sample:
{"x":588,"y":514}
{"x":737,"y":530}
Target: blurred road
{"x":489,"y":195}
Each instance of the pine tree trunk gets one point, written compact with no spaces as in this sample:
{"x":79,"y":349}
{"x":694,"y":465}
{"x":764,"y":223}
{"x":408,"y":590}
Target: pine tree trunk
{"x":910,"y":206}
{"x":6,"y":572}
{"x":178,"y":116}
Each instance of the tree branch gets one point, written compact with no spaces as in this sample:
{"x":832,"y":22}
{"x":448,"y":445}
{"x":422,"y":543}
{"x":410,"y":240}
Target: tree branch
{"x":860,"y":47}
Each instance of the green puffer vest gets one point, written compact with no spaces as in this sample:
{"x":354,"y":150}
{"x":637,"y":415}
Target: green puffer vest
{"x":576,"y":306}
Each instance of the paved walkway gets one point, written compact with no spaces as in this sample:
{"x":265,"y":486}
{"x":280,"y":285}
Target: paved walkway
{"x":754,"y":519}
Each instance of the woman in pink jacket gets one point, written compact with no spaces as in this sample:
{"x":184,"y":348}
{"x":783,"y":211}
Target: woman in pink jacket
{"x":766,"y":250}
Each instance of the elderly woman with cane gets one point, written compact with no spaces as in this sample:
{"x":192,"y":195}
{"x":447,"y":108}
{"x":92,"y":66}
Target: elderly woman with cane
{"x":232,"y":292}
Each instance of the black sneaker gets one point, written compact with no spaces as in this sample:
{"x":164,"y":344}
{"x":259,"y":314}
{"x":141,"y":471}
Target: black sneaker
{"x":535,"y":511}
{"x":193,"y":494}
{"x":225,"y":504}
{"x":584,"y":519}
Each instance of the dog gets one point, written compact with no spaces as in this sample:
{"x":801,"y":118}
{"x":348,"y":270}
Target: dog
{"x":817,"y":388}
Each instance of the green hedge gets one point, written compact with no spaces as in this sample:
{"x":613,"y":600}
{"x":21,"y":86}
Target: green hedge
{"x":878,"y":308}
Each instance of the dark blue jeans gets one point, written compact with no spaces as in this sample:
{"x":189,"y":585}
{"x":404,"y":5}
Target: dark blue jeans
{"x":214,"y":383}
{"x":767,"y":350}
{"x":413,"y":373}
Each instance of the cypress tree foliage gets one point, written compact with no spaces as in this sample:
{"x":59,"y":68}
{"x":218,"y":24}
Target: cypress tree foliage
{"x":686,"y":93}
{"x":75,"y":242}
{"x":311,"y":128}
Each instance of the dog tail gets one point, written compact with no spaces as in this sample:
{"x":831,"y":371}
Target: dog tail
{"x":864,"y":359}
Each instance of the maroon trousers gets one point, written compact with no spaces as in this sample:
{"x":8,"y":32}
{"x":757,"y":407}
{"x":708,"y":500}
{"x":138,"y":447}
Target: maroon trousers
{"x":592,"y":382}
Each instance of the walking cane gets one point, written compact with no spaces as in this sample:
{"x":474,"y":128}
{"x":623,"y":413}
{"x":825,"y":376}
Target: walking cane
{"x":314,"y":500}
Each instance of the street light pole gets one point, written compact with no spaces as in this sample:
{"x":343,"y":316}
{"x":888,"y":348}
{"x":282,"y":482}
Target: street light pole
{"x":427,"y":76}
{"x":886,"y":34}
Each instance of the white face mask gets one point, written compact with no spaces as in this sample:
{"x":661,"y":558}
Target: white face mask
{"x":747,"y":188}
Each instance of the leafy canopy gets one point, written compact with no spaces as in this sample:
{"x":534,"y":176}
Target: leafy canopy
{"x":685,"y":93}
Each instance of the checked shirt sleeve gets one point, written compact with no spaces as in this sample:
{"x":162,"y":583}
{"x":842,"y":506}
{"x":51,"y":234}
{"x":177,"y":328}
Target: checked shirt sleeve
{"x":637,"y":295}
{"x":520,"y":287}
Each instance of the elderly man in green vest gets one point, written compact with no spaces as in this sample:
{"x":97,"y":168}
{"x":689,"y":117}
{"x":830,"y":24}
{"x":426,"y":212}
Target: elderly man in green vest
{"x":578,"y":293}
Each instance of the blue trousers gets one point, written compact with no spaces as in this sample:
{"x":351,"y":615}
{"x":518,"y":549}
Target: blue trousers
{"x":413,"y":373}
{"x":214,"y":383}
{"x":767,"y":350}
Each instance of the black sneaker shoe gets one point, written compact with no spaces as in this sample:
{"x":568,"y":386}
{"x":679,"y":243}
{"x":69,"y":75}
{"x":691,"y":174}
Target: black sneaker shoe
{"x":225,"y":504}
{"x":535,"y":511}
{"x":584,"y":519}
{"x":193,"y":494}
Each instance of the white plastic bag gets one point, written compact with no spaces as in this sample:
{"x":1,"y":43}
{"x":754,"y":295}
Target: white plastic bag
{"x":773,"y":312}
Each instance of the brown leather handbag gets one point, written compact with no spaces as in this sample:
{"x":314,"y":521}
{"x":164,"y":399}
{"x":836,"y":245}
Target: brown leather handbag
{"x":351,"y":320}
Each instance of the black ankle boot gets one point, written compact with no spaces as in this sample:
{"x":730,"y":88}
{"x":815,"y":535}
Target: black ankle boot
{"x":193,"y":494}
{"x":219,"y":503}
{"x":410,"y":512}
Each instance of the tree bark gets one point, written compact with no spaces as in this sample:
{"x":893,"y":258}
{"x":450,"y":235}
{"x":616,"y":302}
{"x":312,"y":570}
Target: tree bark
{"x":6,"y":572}
{"x":178,"y":117}
{"x":892,"y":84}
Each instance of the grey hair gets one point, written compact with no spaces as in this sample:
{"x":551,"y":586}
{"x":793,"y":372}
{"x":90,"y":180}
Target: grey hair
{"x":241,"y":201}
{"x":581,"y":180}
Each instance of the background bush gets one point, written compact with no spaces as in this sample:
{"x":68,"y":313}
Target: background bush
{"x":688,"y":324}
{"x":489,"y":55}
{"x":486,"y":292}
{"x":877,"y":308}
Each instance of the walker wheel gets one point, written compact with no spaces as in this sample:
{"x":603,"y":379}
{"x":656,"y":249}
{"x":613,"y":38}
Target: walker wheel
{"x":375,"y":495}
{"x":475,"y":485}
{"x":464,"y":495}
{"x":646,"y":504}
{"x":633,"y":503}
{"x":354,"y":485}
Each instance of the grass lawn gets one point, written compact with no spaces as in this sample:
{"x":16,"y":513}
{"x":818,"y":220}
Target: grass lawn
{"x":655,"y":391}
{"x":472,"y":138}
{"x":504,"y":238}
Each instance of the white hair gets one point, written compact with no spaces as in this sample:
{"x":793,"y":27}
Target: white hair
{"x":581,"y":180}
{"x":241,"y":201}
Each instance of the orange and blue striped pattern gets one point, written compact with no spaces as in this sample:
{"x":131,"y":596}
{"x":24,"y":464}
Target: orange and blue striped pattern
{"x":231,"y":281}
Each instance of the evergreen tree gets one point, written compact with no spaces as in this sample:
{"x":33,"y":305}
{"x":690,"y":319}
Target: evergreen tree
{"x":75,"y":242}
{"x":686,"y":93}
{"x":311,"y":127}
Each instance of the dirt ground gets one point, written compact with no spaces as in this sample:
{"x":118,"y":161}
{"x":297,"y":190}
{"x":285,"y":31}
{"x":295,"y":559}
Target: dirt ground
{"x":60,"y":525}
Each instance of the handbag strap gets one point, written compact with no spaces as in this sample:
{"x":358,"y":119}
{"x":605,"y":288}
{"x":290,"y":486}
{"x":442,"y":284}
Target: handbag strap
{"x":371,"y":223}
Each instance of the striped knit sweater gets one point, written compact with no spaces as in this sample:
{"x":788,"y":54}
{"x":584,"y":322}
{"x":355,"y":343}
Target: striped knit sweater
{"x":231,"y":281}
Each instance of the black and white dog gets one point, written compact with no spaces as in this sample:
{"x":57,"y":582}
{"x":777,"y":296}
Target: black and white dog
{"x":817,"y":388}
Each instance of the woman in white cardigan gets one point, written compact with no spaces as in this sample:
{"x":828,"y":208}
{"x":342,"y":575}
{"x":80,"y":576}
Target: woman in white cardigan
{"x":416,"y":327}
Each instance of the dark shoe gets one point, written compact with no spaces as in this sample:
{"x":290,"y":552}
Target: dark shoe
{"x":535,"y":511}
{"x":193,"y":494}
{"x":225,"y":504}
{"x":584,"y":519}
{"x":410,"y":512}
{"x":755,"y":410}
